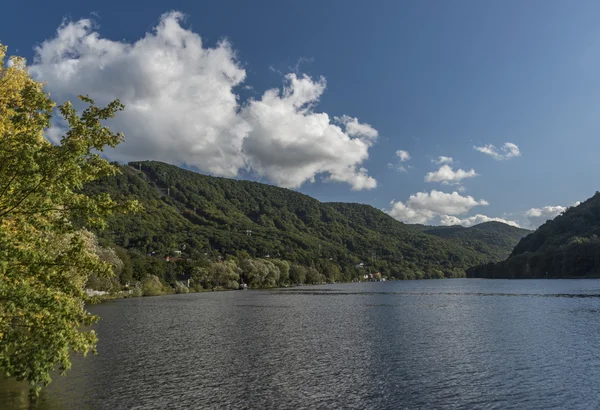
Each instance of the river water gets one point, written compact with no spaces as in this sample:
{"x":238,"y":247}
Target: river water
{"x":460,"y":343}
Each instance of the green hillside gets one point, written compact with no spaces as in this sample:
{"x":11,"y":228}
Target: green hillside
{"x":567,"y":246}
{"x":209,"y":217}
{"x":494,"y":239}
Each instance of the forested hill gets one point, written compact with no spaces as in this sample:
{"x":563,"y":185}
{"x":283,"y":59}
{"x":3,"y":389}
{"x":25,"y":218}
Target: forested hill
{"x":495,"y":239}
{"x":567,"y":246}
{"x":216,"y":217}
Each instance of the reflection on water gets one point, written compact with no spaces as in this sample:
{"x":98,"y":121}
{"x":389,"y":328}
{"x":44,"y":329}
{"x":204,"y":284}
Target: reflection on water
{"x":15,"y":395}
{"x":418,"y":344}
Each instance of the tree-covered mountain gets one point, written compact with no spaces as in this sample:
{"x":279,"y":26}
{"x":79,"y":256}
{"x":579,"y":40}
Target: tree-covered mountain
{"x":567,"y":246}
{"x":208,"y":217}
{"x":494,"y":239}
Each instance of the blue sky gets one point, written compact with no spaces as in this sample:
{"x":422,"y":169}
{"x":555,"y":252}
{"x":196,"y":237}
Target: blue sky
{"x":432,"y":78}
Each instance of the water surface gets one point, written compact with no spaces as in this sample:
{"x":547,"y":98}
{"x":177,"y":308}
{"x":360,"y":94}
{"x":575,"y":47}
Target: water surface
{"x":461,"y":343}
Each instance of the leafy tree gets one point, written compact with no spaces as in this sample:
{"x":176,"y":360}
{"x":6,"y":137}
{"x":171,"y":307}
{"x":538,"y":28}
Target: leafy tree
{"x":126,"y":275}
{"x":284,"y":270}
{"x":45,"y":259}
{"x":225,"y":274}
{"x":313,"y":276}
{"x":298,"y":274}
{"x":200,"y":278}
{"x":152,"y":286}
{"x":260,"y":273}
{"x":107,"y":256}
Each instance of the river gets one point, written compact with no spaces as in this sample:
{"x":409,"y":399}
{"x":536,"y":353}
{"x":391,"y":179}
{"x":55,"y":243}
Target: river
{"x":459,"y":343}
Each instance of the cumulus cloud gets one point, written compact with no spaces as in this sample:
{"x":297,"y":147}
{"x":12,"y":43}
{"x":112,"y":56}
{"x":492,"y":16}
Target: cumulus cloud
{"x":443,"y":160}
{"x":180,"y":105}
{"x":448,"y":220}
{"x":537,"y":216}
{"x":443,"y":203}
{"x":403,"y":155}
{"x":422,"y":207}
{"x":182,"y":108}
{"x":507,"y":151}
{"x":447,"y":176}
{"x":406,"y":214}
{"x":289,"y":143}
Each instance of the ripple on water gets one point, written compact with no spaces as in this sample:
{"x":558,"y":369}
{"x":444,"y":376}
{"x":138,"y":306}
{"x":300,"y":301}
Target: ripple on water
{"x":421,"y":344}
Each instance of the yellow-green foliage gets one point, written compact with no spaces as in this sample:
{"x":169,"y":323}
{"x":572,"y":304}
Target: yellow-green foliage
{"x":44,"y":260}
{"x":151,"y":286}
{"x":181,"y":288}
{"x":224,"y":275}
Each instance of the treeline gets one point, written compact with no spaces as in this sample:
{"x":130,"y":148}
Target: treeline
{"x":148,"y":275}
{"x":153,"y":275}
{"x":210,"y":218}
{"x":131,"y":267}
{"x":568,"y":246}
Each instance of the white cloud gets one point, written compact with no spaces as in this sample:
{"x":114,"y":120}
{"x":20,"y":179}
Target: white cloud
{"x":422,"y":207}
{"x":474,"y":220}
{"x":406,"y":214}
{"x":181,"y":106}
{"x":447,"y":176}
{"x":289,"y":143}
{"x":537,"y":216}
{"x":356,"y":129}
{"x":398,"y":167}
{"x":443,"y":203}
{"x":403,"y":155}
{"x":508,"y":150}
{"x":443,"y":160}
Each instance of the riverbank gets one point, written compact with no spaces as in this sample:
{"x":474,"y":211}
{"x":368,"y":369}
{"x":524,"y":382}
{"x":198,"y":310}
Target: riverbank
{"x":95,"y":297}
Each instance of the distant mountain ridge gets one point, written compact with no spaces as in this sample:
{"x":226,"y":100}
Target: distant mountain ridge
{"x":220,"y":216}
{"x":567,"y":246}
{"x":492,"y":238}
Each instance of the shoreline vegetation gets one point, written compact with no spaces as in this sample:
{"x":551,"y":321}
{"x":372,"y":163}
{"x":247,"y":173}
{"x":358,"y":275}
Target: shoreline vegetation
{"x":153,"y":286}
{"x":46,"y":258}
{"x":71,"y":221}
{"x":94,"y":299}
{"x":138,"y":293}
{"x":191,"y":221}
